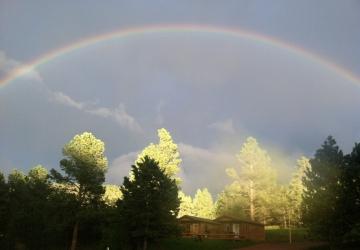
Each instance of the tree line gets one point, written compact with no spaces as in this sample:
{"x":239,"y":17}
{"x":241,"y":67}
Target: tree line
{"x":74,"y":207}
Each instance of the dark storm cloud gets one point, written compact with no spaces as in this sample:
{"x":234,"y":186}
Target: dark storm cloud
{"x":210,"y":92}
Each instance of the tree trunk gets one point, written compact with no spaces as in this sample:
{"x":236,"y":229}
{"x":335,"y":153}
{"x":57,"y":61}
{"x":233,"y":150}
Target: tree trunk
{"x":290,"y":240}
{"x":74,"y":236}
{"x":145,"y":244}
{"x":252,"y":208}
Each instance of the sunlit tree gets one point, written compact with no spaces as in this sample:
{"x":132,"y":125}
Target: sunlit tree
{"x":186,"y":204}
{"x":297,"y":188}
{"x":203,"y":205}
{"x":232,"y":201}
{"x":112,"y":194}
{"x":165,"y":152}
{"x":84,"y":164}
{"x":256,"y":176}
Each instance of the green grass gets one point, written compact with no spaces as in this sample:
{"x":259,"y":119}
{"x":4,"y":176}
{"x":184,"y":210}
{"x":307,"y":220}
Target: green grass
{"x":191,"y":244}
{"x":282,"y":235}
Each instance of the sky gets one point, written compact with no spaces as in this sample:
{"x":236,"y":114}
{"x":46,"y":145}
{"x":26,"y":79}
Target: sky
{"x":210,"y":90}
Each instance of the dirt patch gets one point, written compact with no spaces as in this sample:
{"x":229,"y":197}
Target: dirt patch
{"x":284,"y":246}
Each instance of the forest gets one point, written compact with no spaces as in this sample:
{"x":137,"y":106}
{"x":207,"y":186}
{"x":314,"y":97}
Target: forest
{"x":72,"y":207}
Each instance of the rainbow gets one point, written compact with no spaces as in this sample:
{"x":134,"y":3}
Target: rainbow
{"x":176,"y":28}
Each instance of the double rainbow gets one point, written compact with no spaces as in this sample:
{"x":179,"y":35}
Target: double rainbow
{"x":175,"y":28}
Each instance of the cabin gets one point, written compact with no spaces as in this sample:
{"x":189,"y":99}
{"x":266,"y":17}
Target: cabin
{"x":223,"y":227}
{"x":193,"y":226}
{"x":243,"y":229}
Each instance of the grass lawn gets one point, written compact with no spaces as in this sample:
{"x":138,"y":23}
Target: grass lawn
{"x":191,"y":244}
{"x":282,"y":235}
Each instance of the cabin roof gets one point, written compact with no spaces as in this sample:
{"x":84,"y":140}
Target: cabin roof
{"x":198,"y":219}
{"x":234,"y":219}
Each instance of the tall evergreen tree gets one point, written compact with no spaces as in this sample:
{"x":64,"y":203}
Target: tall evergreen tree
{"x":322,"y":190}
{"x":257,"y":178}
{"x":186,"y":204}
{"x":297,"y":188}
{"x":84,"y":165}
{"x":203,"y":205}
{"x":149,"y":205}
{"x":350,"y":197}
{"x":232,"y":201}
{"x":165,"y":153}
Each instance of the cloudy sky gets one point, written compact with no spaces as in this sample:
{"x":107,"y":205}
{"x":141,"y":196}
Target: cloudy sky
{"x":210,"y":90}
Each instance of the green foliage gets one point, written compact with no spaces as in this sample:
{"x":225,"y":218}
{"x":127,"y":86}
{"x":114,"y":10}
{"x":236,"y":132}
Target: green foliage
{"x":165,"y":153}
{"x":150,"y":203}
{"x":112,"y":195}
{"x":84,"y":165}
{"x":232,"y":201}
{"x":186,"y":205}
{"x":28,"y":208}
{"x":203,"y":205}
{"x":297,"y":188}
{"x":191,"y":244}
{"x":255,"y":180}
{"x":322,"y":192}
{"x":349,"y":202}
{"x":4,"y":203}
{"x":282,"y":235}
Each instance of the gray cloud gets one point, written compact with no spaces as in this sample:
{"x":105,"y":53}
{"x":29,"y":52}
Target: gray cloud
{"x":225,"y":126}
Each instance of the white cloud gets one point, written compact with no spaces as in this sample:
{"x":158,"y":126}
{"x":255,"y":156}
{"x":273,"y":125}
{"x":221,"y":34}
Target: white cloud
{"x":66,"y":100}
{"x":202,"y":167}
{"x":120,"y":167}
{"x":226,"y":126}
{"x":9,"y":65}
{"x":119,"y":114}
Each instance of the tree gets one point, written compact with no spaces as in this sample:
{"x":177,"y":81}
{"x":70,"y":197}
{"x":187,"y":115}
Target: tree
{"x":203,"y":205}
{"x":150,"y":203}
{"x":297,"y":188}
{"x":112,"y":195}
{"x":256,"y":178}
{"x":4,"y":202}
{"x":322,"y":192}
{"x":165,"y":153}
{"x":186,"y":204}
{"x":27,"y":214}
{"x":84,"y":165}
{"x":232,"y":201}
{"x":349,"y":202}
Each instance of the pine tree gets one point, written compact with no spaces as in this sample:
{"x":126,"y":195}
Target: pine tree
{"x":84,"y":164}
{"x":165,"y":153}
{"x":203,"y":205}
{"x":297,"y":188}
{"x":322,"y":190}
{"x":232,"y":201}
{"x":256,"y":177}
{"x":150,"y":204}
{"x":186,"y":204}
{"x":349,"y":203}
